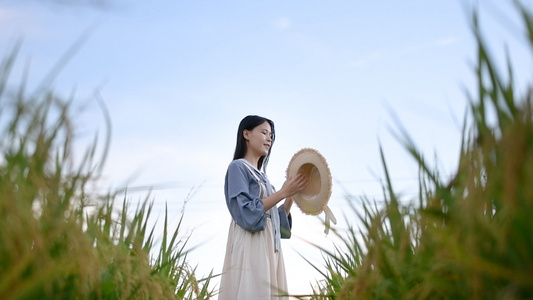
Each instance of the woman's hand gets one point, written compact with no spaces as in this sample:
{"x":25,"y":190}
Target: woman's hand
{"x":294,"y":185}
{"x":290,"y":187}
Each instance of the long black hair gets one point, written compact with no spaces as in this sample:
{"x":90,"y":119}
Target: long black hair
{"x":249,"y":123}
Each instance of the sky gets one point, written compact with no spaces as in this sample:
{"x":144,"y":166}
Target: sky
{"x":343,"y":77}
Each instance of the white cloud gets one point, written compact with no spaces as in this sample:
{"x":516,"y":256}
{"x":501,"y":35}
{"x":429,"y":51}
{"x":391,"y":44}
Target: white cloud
{"x":7,"y":15}
{"x":435,"y":44}
{"x":445,"y":41}
{"x":397,"y":52}
{"x":21,"y":22}
{"x":282,"y":23}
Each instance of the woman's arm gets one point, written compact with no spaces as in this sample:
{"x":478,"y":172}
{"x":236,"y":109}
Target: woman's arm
{"x":290,"y":187}
{"x":246,"y":209}
{"x":288,"y":204}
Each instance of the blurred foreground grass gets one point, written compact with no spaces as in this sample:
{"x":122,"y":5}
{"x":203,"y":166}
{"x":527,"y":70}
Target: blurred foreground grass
{"x":58,"y":238}
{"x":470,"y":237}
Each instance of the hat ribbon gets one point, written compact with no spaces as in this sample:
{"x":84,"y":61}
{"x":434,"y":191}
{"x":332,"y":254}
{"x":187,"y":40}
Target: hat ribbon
{"x":329,"y":217}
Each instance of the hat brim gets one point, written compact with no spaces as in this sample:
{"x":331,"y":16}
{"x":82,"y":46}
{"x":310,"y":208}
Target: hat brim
{"x":314,"y":198}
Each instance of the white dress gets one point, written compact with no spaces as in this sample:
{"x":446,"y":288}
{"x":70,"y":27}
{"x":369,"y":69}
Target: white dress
{"x":253,"y":269}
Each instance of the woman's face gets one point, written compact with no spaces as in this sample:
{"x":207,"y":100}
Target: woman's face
{"x":259,"y":139}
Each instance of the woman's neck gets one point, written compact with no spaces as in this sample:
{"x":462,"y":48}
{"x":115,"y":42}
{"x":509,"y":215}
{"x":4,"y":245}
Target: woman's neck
{"x":254,"y":160}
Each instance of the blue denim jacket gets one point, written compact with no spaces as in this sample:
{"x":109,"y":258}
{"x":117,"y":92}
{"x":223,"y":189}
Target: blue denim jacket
{"x":244,"y":203}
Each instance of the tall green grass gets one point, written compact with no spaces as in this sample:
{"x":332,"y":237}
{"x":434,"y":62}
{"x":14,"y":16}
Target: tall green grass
{"x":470,"y":237}
{"x":59,"y":238}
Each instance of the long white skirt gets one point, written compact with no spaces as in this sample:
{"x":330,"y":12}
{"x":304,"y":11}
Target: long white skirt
{"x":252,"y":270}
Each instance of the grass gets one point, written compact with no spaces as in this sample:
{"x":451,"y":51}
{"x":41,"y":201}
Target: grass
{"x":465,"y":238}
{"x":59,"y":239}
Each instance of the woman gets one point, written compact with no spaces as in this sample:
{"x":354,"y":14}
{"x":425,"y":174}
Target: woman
{"x":253,"y":266}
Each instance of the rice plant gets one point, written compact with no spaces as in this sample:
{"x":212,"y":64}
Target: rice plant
{"x":470,"y":237}
{"x":59,"y":238}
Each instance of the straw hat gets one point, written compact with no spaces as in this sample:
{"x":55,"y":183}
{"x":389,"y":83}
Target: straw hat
{"x":314,"y":198}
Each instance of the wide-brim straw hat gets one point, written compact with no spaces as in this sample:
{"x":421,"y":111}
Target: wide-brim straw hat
{"x":315,"y":197}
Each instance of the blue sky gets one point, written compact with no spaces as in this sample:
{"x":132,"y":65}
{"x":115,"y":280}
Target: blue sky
{"x":338,"y":76}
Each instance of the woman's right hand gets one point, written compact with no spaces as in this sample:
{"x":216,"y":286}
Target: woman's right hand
{"x":294,"y":184}
{"x":290,"y":187}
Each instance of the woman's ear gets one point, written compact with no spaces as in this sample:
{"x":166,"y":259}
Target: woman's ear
{"x":246,"y":134}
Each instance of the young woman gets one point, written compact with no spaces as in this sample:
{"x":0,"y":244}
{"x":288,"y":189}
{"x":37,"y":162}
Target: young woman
{"x":253,"y":266}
